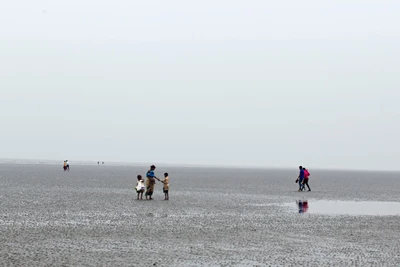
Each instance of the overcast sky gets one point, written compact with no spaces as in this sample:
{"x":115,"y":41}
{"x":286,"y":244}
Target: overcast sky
{"x":266,"y":83}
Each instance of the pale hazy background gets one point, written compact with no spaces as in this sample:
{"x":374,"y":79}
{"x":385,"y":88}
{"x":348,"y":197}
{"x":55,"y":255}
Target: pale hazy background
{"x":267,"y":83}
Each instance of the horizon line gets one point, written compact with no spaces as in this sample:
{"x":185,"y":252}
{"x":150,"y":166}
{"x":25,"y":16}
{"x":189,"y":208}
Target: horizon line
{"x":186,"y":165}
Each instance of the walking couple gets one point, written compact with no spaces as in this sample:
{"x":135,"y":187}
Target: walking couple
{"x":150,"y":182}
{"x":303,"y":179}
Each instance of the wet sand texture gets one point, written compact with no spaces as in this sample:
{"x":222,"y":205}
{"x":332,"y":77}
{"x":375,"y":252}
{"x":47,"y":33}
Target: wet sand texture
{"x":215,"y":217}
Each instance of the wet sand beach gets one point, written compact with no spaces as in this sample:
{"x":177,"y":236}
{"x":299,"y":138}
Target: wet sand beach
{"x":215,"y":217}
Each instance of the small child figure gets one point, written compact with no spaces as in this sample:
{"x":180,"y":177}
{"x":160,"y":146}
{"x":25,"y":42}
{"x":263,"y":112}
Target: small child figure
{"x":140,"y":187}
{"x":166,"y":186}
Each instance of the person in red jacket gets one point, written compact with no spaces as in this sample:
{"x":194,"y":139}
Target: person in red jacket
{"x":305,"y":181}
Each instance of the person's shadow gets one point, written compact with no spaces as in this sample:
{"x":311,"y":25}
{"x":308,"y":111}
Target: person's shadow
{"x":302,"y":205}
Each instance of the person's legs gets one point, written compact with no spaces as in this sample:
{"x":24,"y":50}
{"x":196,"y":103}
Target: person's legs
{"x":300,"y":184}
{"x":306,"y":183}
{"x":151,"y":190}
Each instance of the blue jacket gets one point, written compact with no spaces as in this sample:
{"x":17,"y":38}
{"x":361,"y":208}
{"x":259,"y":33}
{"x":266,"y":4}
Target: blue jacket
{"x":301,"y":176}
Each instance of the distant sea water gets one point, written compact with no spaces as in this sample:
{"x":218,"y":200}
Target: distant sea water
{"x":215,"y":217}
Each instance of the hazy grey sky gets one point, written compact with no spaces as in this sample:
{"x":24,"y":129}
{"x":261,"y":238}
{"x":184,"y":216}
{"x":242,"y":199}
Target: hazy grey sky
{"x":268,"y":83}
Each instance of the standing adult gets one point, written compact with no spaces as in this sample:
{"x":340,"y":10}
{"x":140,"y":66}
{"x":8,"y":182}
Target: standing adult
{"x":150,"y":182}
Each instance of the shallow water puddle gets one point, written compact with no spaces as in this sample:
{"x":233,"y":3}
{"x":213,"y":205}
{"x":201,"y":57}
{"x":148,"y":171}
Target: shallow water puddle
{"x":347,"y":207}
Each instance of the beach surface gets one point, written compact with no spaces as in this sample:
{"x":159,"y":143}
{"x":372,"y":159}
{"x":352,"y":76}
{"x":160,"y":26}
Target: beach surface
{"x":89,"y":216}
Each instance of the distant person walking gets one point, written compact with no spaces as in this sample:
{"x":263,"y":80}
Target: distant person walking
{"x":300,"y":178}
{"x":150,"y":182}
{"x":306,"y":176}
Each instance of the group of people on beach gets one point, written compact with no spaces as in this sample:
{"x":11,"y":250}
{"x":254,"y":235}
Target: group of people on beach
{"x":303,"y":178}
{"x":148,"y":187}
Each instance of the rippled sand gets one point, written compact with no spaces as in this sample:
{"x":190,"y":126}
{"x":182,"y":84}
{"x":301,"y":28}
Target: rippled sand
{"x":215,"y":217}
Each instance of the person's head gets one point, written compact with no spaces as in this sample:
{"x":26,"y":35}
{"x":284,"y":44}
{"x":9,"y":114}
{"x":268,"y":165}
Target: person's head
{"x":300,"y":167}
{"x":139,"y":177}
{"x":152,"y":167}
{"x":166,"y":174}
{"x":304,"y":168}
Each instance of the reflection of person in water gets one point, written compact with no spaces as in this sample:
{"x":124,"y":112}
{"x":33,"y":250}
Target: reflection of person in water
{"x":303,"y":206}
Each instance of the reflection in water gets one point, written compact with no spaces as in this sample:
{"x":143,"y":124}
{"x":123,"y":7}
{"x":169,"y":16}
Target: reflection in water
{"x":349,"y":207}
{"x":303,"y":206}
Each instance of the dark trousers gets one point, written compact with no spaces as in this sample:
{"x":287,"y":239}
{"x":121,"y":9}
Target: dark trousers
{"x":305,"y":182}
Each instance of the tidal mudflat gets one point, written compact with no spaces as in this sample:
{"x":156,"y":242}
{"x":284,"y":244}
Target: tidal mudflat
{"x":215,"y":217}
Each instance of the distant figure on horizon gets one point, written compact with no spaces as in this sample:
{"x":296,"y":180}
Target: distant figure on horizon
{"x":67,"y":161}
{"x":150,"y":182}
{"x":305,"y":181}
{"x":98,"y":163}
{"x":65,"y":165}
